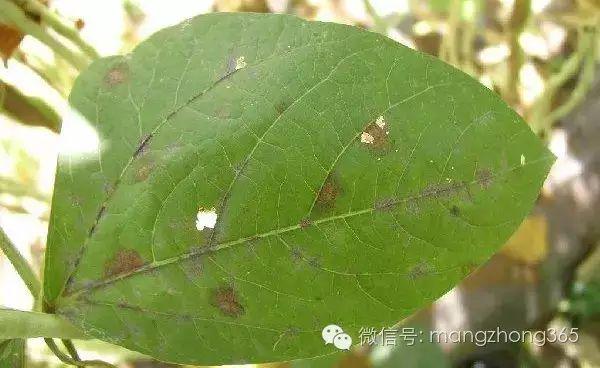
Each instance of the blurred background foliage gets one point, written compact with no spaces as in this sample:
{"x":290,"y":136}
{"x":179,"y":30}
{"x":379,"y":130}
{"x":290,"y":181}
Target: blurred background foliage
{"x":540,"y":56}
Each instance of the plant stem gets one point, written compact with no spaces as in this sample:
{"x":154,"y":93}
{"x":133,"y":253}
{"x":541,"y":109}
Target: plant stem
{"x":540,"y":111}
{"x":518,"y":20}
{"x":467,"y":52}
{"x":57,"y":23}
{"x":584,"y":84}
{"x":78,"y":363}
{"x":20,"y":324}
{"x":17,"y":17}
{"x":20,"y":264}
{"x":50,"y":73}
{"x":71,"y":349}
{"x":451,"y":32}
{"x":379,"y":24}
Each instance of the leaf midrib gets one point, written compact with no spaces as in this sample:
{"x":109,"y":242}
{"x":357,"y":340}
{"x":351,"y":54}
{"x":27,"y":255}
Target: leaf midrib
{"x":226,"y":245}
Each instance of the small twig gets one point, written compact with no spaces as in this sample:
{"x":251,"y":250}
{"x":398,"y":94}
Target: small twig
{"x":58,"y":24}
{"x":17,"y":17}
{"x":71,"y":349}
{"x":540,"y":110}
{"x":451,"y":32}
{"x":379,"y":24}
{"x":518,"y":20}
{"x":448,"y":49}
{"x":78,"y":363}
{"x":20,"y":264}
{"x":18,"y":189}
{"x":584,"y":83}
{"x":468,"y":41}
{"x":50,"y":73}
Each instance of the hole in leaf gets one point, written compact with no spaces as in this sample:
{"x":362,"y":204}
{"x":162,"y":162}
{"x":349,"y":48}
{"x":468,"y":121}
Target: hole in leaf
{"x":206,"y":219}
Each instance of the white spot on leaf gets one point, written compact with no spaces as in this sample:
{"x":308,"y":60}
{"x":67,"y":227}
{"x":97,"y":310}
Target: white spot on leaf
{"x":380,"y":122}
{"x":366,"y":138}
{"x":206,"y":218}
{"x":240,"y":63}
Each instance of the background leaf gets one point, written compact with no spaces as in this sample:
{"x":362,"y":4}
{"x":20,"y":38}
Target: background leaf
{"x":12,"y":353}
{"x":353,"y":181}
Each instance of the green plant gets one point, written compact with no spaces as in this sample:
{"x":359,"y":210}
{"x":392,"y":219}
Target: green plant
{"x":241,"y":181}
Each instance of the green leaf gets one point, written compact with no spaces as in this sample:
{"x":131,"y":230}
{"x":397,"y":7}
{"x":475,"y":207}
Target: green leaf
{"x":12,"y":353}
{"x":354,"y":181}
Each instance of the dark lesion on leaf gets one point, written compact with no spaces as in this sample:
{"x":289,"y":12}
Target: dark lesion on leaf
{"x":455,"y":211}
{"x":437,"y":191}
{"x":484,"y":177}
{"x":468,"y":268}
{"x":97,"y":220}
{"x":297,"y":254}
{"x":92,"y":229}
{"x":233,"y":63}
{"x":385,"y":204}
{"x":230,"y":65}
{"x":304,"y":223}
{"x":116,"y":75}
{"x":141,"y":148}
{"x":375,"y":136}
{"x":446,"y":190}
{"x":412,"y":206}
{"x":328,"y":193}
{"x":314,"y":262}
{"x":124,"y":261}
{"x":143,"y":170}
{"x":421,"y":269}
{"x":281,"y":107}
{"x":227,"y":301}
{"x":193,"y":267}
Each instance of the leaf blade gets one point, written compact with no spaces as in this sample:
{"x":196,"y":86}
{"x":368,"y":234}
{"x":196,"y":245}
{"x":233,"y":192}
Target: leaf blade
{"x":327,"y":155}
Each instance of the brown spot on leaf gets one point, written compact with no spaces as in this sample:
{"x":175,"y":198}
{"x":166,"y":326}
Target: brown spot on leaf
{"x":468,"y":268}
{"x":92,"y":230}
{"x":445,"y":190}
{"x":297,"y":254}
{"x":117,"y":75}
{"x":142,"y":145}
{"x":455,"y":211}
{"x":375,"y":135}
{"x":412,"y":206}
{"x":193,"y":267}
{"x":385,"y":204}
{"x":143,"y":171}
{"x":109,"y":188}
{"x":484,"y":177}
{"x":328,"y":193}
{"x":230,"y":65}
{"x":281,"y":107}
{"x":304,"y":223}
{"x":124,"y":261}
{"x":226,"y":299}
{"x":420,"y":269}
{"x":97,"y":220}
{"x":314,"y":262}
